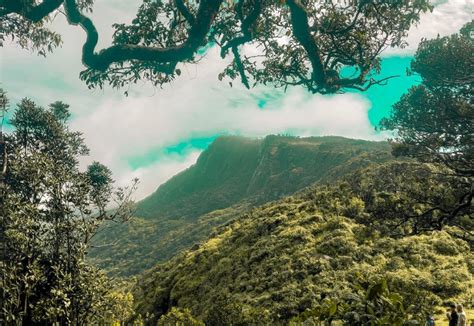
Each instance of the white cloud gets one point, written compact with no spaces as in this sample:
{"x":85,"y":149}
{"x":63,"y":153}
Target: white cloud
{"x":158,"y":173}
{"x":447,"y":18}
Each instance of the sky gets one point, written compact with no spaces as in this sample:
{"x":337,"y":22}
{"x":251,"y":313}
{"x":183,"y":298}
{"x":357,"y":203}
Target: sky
{"x":154,"y":133}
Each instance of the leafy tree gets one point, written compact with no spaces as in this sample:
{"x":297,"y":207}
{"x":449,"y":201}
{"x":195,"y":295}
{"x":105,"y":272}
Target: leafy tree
{"x":179,"y":317}
{"x":119,"y":303}
{"x":434,"y":121}
{"x":369,"y":303}
{"x":405,"y":198}
{"x":296,"y":42}
{"x":50,"y":210}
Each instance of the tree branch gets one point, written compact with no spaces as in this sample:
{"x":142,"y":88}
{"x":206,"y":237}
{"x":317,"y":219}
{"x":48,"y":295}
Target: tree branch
{"x":153,"y":52}
{"x":301,"y":31}
{"x":464,"y":202}
{"x":101,"y":61}
{"x":247,"y":25}
{"x":28,"y":10}
{"x":350,"y":83}
{"x":183,"y":10}
{"x":240,"y":67}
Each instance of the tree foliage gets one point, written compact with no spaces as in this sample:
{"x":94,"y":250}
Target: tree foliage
{"x":434,"y":121}
{"x":369,"y":303}
{"x":179,"y":317}
{"x":408,"y":198}
{"x":50,"y":211}
{"x":28,"y":33}
{"x":280,"y":43}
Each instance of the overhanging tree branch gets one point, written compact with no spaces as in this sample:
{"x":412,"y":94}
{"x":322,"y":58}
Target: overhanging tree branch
{"x":240,"y":67}
{"x":371,"y":82}
{"x":304,"y":43}
{"x":183,"y":10}
{"x":34,"y":13}
{"x":101,"y":61}
{"x":247,"y":26}
{"x":301,"y":31}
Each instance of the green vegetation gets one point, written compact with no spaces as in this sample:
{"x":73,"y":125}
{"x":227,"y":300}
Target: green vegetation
{"x":50,"y":210}
{"x":367,"y":304}
{"x":179,"y":317}
{"x":364,"y":239}
{"x":289,"y":256}
{"x":231,"y":176}
{"x":388,"y":244}
{"x":237,"y":168}
{"x":434,"y":122}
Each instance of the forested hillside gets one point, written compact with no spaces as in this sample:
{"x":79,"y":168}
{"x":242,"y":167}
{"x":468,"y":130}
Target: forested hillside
{"x":317,"y":248}
{"x":231,"y":176}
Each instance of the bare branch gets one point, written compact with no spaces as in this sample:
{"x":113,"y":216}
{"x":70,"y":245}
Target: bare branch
{"x":371,"y":83}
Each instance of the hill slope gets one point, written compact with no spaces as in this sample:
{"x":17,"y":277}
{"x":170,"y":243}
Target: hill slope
{"x":218,"y":179}
{"x":287,"y":256}
{"x":236,"y":168}
{"x":231,"y":176}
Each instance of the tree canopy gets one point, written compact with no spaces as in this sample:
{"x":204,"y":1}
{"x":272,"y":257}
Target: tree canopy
{"x":49,"y":212}
{"x":434,"y":121}
{"x":282,"y":43}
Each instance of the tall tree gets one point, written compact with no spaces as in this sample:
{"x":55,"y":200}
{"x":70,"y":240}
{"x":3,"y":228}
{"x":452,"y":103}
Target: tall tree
{"x":50,"y":210}
{"x":294,"y":42}
{"x":434,"y":121}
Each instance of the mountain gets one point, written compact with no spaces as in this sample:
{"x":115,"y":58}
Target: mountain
{"x":218,"y":179}
{"x":320,"y":246}
{"x":233,"y":175}
{"x":237,"y":168}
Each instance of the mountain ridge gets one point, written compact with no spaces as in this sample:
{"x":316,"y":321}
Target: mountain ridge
{"x":258,"y":151}
{"x":233,"y":175}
